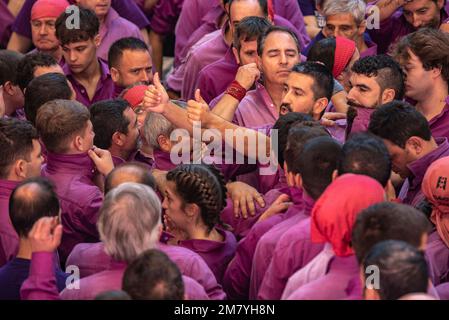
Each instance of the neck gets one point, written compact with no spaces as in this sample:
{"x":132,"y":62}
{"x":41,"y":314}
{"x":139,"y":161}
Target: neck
{"x":117,"y":152}
{"x":428,"y":148}
{"x":199,"y":232}
{"x":55,"y":53}
{"x":10,"y":107}
{"x":24,"y":249}
{"x":433,"y":102}
{"x":90,"y":73}
{"x":146,"y":150}
{"x":361,"y":45}
{"x":275,"y":91}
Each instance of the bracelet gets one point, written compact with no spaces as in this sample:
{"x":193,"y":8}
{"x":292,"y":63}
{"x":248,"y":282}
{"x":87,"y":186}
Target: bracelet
{"x":236,"y":90}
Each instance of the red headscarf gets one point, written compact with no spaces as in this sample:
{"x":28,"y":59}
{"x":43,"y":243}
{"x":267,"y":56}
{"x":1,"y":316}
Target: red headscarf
{"x":344,"y":50}
{"x":270,"y":9}
{"x":435,"y":187}
{"x":334,"y":214}
{"x":48,"y":8}
{"x":135,"y":95}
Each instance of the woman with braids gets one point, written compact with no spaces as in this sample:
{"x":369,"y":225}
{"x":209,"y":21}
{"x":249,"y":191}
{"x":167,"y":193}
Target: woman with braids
{"x":195,"y":195}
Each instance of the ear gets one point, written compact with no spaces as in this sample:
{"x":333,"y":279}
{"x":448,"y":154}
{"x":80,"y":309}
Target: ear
{"x":20,"y":168}
{"x":97,"y":40}
{"x":298,"y":181}
{"x":164,"y":143}
{"x":319,"y":106}
{"x":334,"y":174}
{"x":78,"y":143}
{"x":436,"y":72}
{"x":192,"y":211}
{"x":414,"y":146}
{"x":236,"y":55}
{"x":117,"y":139}
{"x":423,"y":243}
{"x":368,"y":294}
{"x":288,"y":175}
{"x":388,"y":95}
{"x":8,"y":88}
{"x":362,"y":28}
{"x":259,"y":62}
{"x":440,"y":4}
{"x":115,"y":75}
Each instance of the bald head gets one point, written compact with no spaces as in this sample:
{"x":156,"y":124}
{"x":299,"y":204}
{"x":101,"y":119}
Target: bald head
{"x":129,"y":172}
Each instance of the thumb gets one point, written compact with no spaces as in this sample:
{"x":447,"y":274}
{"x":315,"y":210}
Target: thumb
{"x":198,"y":96}
{"x":57,"y":235}
{"x":283,"y":198}
{"x":157,"y":81}
{"x":93,"y":155}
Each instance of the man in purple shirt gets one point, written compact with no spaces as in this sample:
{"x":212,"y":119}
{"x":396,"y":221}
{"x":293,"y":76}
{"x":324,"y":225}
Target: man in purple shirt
{"x":13,"y":98}
{"x":423,"y":57}
{"x":7,"y":19}
{"x":216,"y":77}
{"x":88,"y":74}
{"x":399,"y":18}
{"x":406,"y":133}
{"x":30,"y":201}
{"x":20,"y":159}
{"x":66,"y":131}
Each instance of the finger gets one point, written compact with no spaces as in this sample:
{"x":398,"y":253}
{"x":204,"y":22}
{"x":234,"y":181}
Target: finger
{"x":250,"y":204}
{"x":157,"y":81}
{"x":57,"y":236}
{"x":93,"y":155}
{"x":46,"y":228}
{"x":243,"y":208}
{"x":283,"y":198}
{"x":236,"y":207}
{"x":260,"y":200}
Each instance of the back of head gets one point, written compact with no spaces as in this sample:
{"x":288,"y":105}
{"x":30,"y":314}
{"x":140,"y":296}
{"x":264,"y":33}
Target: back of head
{"x":323,"y":51}
{"x":316,"y":163}
{"x":58,"y":121}
{"x":153,"y":276}
{"x":249,"y":29}
{"x":388,"y":73}
{"x":16,"y":142}
{"x":262,"y":3}
{"x":9,"y":60}
{"x":398,"y":121}
{"x":113,"y":295}
{"x":107,"y":118}
{"x":156,"y":125}
{"x":117,"y":49}
{"x":365,"y":154}
{"x":31,"y":200}
{"x":323,"y":81}
{"x":129,"y":172}
{"x":47,"y":87}
{"x":28,"y":65}
{"x":402,"y":269}
{"x":87,"y":28}
{"x":388,"y":221}
{"x":129,"y":221}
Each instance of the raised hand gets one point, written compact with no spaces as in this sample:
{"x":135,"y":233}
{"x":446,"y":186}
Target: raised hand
{"x":280,"y":205}
{"x":243,"y":197}
{"x":102,"y":159}
{"x":155,"y":97}
{"x":197,"y":110}
{"x":46,"y":234}
{"x":247,"y":75}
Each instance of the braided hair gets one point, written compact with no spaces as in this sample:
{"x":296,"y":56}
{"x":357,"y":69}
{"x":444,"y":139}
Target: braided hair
{"x":204,"y":186}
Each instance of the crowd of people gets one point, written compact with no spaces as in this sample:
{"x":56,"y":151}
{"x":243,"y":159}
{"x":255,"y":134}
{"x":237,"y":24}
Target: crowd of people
{"x":224,"y":150}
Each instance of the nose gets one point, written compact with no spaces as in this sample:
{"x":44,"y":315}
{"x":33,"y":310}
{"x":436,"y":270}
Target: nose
{"x":73,"y":56}
{"x":338,"y":33}
{"x":283,"y":58}
{"x":417,"y":21}
{"x":144,"y":77}
{"x":43,"y":29}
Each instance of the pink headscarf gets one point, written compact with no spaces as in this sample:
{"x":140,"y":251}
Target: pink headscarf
{"x":135,"y":95}
{"x":435,"y":187}
{"x":335,"y":212}
{"x":48,"y":9}
{"x":344,"y":50}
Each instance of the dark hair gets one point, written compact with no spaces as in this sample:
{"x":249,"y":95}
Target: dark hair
{"x":283,"y":125}
{"x":58,"y":121}
{"x":16,"y":142}
{"x":28,"y":65}
{"x":403,"y":269}
{"x":387,"y":221}
{"x":47,"y":87}
{"x":31,"y":200}
{"x":398,"y":121}
{"x":153,"y":276}
{"x":323,"y":81}
{"x":116,"y":295}
{"x":129,"y":172}
{"x":323,"y":51}
{"x":107,"y":118}
{"x":263,"y":37}
{"x":316,"y":164}
{"x":388,"y":73}
{"x":118,"y":47}
{"x":89,"y":26}
{"x":249,"y":29}
{"x":262,"y":3}
{"x":9,"y":60}
{"x":365,"y":154}
{"x":429,"y":45}
{"x":202,"y":185}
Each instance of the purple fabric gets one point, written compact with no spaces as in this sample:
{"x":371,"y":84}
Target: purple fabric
{"x":332,"y":286}
{"x":216,"y":254}
{"x":7,"y":20}
{"x":80,"y":199}
{"x":371,"y":51}
{"x":236,"y":281}
{"x":439,"y":124}
{"x":437,"y":256}
{"x":91,"y":259}
{"x":126,"y":8}
{"x":113,"y":29}
{"x":293,"y":251}
{"x":443,"y":291}
{"x":162,"y":161}
{"x":9,"y":240}
{"x":299,"y":211}
{"x":411,"y":189}
{"x":307,"y":7}
{"x":165,"y":16}
{"x":361,"y":121}
{"x":290,"y":11}
{"x":105,"y":87}
{"x":136,"y":156}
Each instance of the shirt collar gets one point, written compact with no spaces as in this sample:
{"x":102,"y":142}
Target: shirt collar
{"x":70,"y":163}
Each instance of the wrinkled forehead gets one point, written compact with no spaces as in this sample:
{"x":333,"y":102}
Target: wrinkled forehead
{"x":417,"y":5}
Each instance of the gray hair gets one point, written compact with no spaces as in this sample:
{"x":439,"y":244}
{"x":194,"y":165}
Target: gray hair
{"x":129,"y":221}
{"x":156,"y":125}
{"x":355,"y":7}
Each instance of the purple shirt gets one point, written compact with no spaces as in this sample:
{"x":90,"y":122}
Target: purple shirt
{"x":439,"y":124}
{"x":91,"y":258}
{"x":79,"y":197}
{"x":7,"y":20}
{"x":307,"y":7}
{"x":165,"y":16}
{"x":299,"y":211}
{"x":236,"y":281}
{"x":371,"y":51}
{"x":443,"y":291}
{"x":113,"y":29}
{"x":137,"y":157}
{"x":9,"y":240}
{"x":217,"y":254}
{"x":361,"y":121}
{"x":126,"y":8}
{"x":411,"y":189}
{"x":332,"y":286}
{"x":437,"y":256}
{"x":105,"y":87}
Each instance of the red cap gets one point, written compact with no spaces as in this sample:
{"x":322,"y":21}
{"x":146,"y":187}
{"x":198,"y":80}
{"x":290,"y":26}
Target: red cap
{"x":135,"y":95}
{"x":344,"y":50}
{"x":48,"y":8}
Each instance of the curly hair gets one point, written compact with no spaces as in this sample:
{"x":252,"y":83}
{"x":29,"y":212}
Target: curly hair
{"x":204,"y":186}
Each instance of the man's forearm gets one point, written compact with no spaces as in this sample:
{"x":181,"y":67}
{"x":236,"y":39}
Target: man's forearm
{"x":387,"y":7}
{"x":157,"y":48}
{"x":226,"y":107}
